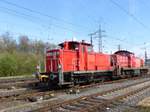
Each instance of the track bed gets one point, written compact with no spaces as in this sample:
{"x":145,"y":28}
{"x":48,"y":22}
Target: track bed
{"x":60,"y":99}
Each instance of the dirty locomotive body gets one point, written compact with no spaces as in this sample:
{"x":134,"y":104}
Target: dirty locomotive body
{"x":76,"y":62}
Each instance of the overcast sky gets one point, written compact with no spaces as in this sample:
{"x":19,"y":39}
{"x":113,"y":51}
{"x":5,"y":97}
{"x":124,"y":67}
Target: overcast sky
{"x":126,"y":22}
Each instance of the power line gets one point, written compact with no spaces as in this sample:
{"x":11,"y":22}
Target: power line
{"x":99,"y":35}
{"x":23,"y":15}
{"x":40,"y":13}
{"x":129,"y":14}
{"x":104,"y":21}
{"x":33,"y":21}
{"x":26,"y":17}
{"x":91,"y":37}
{"x":45,"y":15}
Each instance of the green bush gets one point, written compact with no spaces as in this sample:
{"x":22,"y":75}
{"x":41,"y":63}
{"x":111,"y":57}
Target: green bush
{"x":18,"y":63}
{"x":8,"y":65}
{"x":20,"y":56}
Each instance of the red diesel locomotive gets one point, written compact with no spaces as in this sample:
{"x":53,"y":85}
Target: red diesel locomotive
{"x":76,"y":62}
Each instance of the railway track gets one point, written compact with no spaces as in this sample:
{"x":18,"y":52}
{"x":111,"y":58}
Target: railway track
{"x":14,"y":79}
{"x":21,"y":93}
{"x":117,"y":96}
{"x":24,"y":94}
{"x":107,"y":82}
{"x":93,"y":101}
{"x":30,"y":96}
{"x":16,"y":87}
{"x":23,"y":83}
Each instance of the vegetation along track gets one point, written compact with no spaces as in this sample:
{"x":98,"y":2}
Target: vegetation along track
{"x":92,"y":101}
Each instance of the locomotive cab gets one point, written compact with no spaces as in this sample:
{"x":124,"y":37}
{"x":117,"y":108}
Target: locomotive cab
{"x":62,"y":62}
{"x":75,"y":62}
{"x":72,"y":45}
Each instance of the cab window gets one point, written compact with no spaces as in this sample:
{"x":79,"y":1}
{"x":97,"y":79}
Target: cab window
{"x":73,"y":46}
{"x":89,"y":49}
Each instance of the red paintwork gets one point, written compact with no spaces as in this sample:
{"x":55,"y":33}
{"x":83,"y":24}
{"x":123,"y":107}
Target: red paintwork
{"x":74,"y":56}
{"x":126,"y":59}
{"x":76,"y":59}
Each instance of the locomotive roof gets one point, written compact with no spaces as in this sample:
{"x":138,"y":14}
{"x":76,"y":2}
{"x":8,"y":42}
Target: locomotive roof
{"x":123,"y":51}
{"x":75,"y":42}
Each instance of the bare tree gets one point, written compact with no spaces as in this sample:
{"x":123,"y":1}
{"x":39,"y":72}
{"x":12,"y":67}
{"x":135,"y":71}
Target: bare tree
{"x":7,"y":43}
{"x":24,"y":43}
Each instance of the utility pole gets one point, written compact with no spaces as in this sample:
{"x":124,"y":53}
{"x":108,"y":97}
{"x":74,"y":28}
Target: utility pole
{"x":91,"y":37}
{"x":100,"y":39}
{"x":119,"y":47}
{"x":145,"y":57}
{"x":100,"y":35}
{"x":145,"y":53}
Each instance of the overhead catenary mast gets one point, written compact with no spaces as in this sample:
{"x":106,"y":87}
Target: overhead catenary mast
{"x":98,"y":34}
{"x":119,"y":47}
{"x":91,"y":37}
{"x":145,"y":57}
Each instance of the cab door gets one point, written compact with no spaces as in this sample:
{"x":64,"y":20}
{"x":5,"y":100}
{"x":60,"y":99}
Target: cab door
{"x":82,"y":58}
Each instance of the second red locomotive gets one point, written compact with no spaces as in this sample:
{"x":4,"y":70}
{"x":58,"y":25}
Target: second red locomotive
{"x":76,"y":62}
